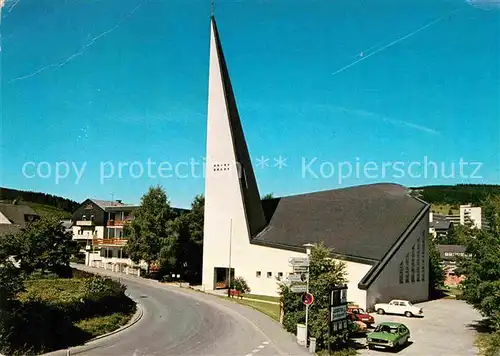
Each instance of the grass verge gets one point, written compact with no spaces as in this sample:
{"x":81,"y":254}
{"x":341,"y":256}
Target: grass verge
{"x":72,"y":310}
{"x":271,"y":310}
{"x":101,"y":325}
{"x":488,"y":341}
{"x":262,"y":297}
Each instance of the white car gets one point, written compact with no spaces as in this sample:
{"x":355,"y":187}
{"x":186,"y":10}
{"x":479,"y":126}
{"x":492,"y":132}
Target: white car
{"x":401,"y":307}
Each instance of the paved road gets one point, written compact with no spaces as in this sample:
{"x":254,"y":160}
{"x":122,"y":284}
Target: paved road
{"x":185,"y":322}
{"x":445,"y":330}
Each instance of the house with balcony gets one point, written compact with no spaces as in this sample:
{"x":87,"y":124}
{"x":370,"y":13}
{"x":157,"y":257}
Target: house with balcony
{"x":98,"y":226}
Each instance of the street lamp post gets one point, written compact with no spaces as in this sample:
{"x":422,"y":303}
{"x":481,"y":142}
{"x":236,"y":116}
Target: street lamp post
{"x":308,"y":247}
{"x":229,"y":270}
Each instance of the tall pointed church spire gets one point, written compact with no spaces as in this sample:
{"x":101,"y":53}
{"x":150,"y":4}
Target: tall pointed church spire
{"x":228,"y":160}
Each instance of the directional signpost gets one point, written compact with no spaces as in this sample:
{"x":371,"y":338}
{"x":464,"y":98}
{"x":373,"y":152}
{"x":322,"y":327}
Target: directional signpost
{"x":299,"y":261}
{"x":338,"y":311}
{"x":298,"y":288}
{"x":300,"y":269}
{"x":296,"y":278}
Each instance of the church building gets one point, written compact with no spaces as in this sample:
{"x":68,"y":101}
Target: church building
{"x":378,"y":230}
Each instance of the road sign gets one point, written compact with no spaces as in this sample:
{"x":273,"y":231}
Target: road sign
{"x":300,"y":269}
{"x":298,"y":288}
{"x":339,"y":312}
{"x":299,"y":261}
{"x":307,"y":298}
{"x":295,"y":278}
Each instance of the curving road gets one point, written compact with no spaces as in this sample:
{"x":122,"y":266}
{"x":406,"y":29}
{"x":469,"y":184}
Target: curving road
{"x":185,"y":322}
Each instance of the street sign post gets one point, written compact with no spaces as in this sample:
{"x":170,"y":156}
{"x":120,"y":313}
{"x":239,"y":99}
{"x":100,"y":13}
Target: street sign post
{"x":295,"y":278}
{"x":300,"y":269}
{"x":299,"y":261}
{"x":338,"y":313}
{"x":307,"y":299}
{"x":298,"y":288}
{"x":337,"y":322}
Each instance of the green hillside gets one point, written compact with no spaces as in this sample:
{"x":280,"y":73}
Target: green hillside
{"x":444,"y":197}
{"x":47,"y":210}
{"x":44,"y":204}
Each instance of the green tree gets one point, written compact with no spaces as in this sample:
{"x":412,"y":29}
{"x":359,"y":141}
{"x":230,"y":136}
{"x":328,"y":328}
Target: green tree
{"x":186,"y":254}
{"x":436,"y":271}
{"x":44,"y":246}
{"x":150,"y":233}
{"x":324,"y":273}
{"x":11,"y":283}
{"x":240,"y":284}
{"x":267,"y":196}
{"x":481,"y":265}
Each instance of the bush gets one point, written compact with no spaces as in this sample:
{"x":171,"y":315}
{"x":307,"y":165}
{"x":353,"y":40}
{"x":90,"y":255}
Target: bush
{"x":324,"y":274}
{"x":57,"y":304}
{"x":240,"y":284}
{"x":76,"y":273}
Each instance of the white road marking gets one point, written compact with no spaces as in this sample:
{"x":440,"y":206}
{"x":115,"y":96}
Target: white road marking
{"x":261,"y":346}
{"x":266,"y":342}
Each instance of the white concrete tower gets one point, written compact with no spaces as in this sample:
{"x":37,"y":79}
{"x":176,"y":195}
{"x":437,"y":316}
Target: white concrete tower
{"x":233,"y":210}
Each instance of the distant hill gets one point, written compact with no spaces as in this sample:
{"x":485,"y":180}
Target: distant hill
{"x":43,"y":204}
{"x":455,"y":195}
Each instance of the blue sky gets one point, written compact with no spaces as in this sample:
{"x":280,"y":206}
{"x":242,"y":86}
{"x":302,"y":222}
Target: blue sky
{"x":318,"y":82}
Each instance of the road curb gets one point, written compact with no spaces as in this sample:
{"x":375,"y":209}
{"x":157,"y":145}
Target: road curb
{"x":91,"y":343}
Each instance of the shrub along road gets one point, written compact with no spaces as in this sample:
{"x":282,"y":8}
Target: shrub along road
{"x":185,"y":322}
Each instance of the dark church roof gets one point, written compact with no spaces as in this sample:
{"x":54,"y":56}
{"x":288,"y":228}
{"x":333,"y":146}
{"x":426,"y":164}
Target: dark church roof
{"x":361,"y":222}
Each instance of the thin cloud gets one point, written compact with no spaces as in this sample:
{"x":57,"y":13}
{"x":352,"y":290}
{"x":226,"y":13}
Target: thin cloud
{"x":484,"y":4}
{"x":14,"y":5}
{"x":421,"y":28}
{"x":82,"y":49}
{"x":394,"y":122}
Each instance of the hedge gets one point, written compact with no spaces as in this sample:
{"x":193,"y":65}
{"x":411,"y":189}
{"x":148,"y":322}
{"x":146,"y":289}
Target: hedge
{"x":46,"y":312}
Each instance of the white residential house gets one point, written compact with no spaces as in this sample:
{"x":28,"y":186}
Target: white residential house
{"x":98,"y":225}
{"x":378,"y":230}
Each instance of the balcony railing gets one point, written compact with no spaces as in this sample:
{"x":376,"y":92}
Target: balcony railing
{"x":118,"y":222}
{"x":110,"y":242}
{"x":85,"y":223}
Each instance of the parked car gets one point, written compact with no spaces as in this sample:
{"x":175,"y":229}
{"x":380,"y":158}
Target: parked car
{"x":356,"y":326}
{"x":388,"y":335}
{"x":402,"y":307}
{"x":360,"y":315}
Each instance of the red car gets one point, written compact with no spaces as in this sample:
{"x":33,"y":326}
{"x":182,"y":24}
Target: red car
{"x":359,"y":314}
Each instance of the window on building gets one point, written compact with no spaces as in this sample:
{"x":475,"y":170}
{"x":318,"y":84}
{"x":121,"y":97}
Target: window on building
{"x":407,"y":269}
{"x":423,"y":259}
{"x":418,"y":260}
{"x":269,"y":274}
{"x":258,"y":274}
{"x":413,"y":264}
{"x":111,"y":233}
{"x":401,"y":273}
{"x":280,"y":276}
